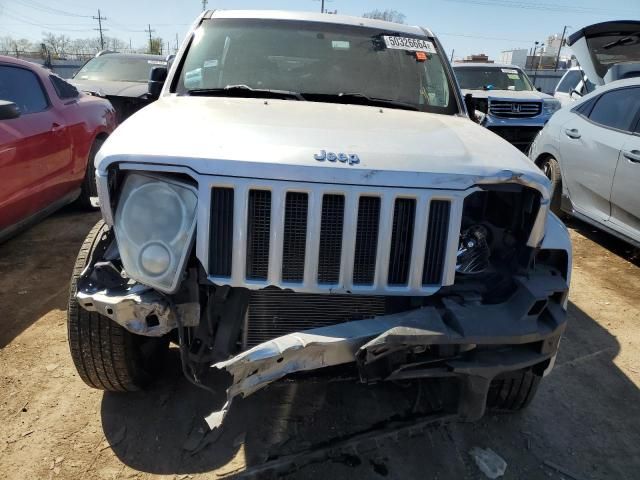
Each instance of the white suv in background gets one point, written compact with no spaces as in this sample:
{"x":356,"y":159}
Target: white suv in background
{"x":572,"y":86}
{"x":591,"y":152}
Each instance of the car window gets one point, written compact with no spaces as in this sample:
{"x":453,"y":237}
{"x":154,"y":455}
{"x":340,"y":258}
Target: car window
{"x":492,"y":78}
{"x":119,"y":68}
{"x":318,"y":60}
{"x":617,"y":108}
{"x":63,"y":89}
{"x":22,"y":87}
{"x":587,"y":87}
{"x":569,"y":82}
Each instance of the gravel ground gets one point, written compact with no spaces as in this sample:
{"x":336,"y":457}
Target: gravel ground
{"x":584,"y":423}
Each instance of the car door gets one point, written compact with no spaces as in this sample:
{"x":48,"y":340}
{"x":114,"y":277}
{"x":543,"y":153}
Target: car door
{"x":590,"y":144}
{"x":625,"y":194}
{"x":28,"y":145}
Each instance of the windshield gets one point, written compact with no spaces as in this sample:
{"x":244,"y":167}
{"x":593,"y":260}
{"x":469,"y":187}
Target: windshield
{"x":320,"y":61}
{"x":492,"y":78}
{"x":119,"y":68}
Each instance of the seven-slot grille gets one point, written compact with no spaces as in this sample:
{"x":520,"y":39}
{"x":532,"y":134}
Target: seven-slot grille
{"x":503,"y":108}
{"x":349,"y":240}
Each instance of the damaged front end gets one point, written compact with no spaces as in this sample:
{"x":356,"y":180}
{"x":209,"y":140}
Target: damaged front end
{"x":474,"y":291}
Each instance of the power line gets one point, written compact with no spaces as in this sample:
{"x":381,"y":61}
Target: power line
{"x":44,"y":25}
{"x":100,"y":29}
{"x":47,"y":9}
{"x":482,"y":37}
{"x":539,"y":6}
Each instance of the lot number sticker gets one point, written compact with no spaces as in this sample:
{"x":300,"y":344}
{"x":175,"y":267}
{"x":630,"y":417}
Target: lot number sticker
{"x":406,"y":43}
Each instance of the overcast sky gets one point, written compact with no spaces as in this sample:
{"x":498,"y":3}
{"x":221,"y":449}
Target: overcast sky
{"x":468,"y":26}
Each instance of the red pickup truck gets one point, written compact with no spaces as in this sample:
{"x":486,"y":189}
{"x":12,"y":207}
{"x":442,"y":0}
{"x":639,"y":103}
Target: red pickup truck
{"x":49,"y":134}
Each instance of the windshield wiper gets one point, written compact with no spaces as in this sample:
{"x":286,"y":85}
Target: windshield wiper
{"x":245,"y":91}
{"x":628,"y":40}
{"x":360,"y":99}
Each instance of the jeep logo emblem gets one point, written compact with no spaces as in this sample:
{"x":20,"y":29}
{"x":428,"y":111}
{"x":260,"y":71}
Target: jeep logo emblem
{"x":350,"y":158}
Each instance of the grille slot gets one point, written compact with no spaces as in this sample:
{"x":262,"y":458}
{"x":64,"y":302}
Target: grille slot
{"x":221,"y":232}
{"x":273,"y":313}
{"x":295,"y":236}
{"x":437,"y":232}
{"x":401,"y":241}
{"x":331,"y":227}
{"x":258,"y":230}
{"x":314,"y":238}
{"x":364,"y":262}
{"x":501,"y":108}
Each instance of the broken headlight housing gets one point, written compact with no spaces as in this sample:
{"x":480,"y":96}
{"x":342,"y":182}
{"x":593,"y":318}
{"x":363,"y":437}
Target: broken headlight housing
{"x":154,"y":225}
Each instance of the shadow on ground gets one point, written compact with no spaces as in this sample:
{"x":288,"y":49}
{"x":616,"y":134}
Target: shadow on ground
{"x":35,"y":268}
{"x":616,"y":246}
{"x":286,"y":418}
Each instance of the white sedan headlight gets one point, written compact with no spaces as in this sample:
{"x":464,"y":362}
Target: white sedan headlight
{"x":550,"y":106}
{"x":154,"y":226}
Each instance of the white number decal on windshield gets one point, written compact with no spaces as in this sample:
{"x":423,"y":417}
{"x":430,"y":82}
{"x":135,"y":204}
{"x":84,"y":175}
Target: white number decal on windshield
{"x":407,"y":43}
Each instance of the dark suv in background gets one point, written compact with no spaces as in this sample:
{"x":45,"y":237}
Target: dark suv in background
{"x":122,"y":78}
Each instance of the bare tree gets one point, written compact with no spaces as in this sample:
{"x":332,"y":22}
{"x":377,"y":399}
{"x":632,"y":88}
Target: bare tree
{"x":116,"y":44}
{"x":155,"y":46}
{"x":17,"y":47}
{"x":57,"y":44}
{"x":388,"y":15}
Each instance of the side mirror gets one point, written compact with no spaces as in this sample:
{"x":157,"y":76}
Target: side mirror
{"x":576,"y":93}
{"x":471,"y":106}
{"x":157,"y":78}
{"x":8,"y":110}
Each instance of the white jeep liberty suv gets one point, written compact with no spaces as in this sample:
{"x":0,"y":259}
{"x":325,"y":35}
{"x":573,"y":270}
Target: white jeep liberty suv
{"x":308,"y":191}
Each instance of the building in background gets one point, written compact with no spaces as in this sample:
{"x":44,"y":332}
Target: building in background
{"x":553,"y":45}
{"x":476,"y":58}
{"x":516,"y":57}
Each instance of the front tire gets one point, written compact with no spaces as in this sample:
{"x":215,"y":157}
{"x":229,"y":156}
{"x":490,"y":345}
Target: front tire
{"x":107,"y":356}
{"x":513,"y":391}
{"x":551,"y":168}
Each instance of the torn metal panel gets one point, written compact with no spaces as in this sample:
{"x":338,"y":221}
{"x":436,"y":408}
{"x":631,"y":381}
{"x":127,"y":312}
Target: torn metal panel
{"x":366,"y":341}
{"x":139,"y":309}
{"x":302,"y":351}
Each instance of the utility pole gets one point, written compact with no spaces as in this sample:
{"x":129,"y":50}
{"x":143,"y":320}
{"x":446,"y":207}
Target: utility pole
{"x":321,"y":6}
{"x":177,"y":45}
{"x":564,"y":31}
{"x":100,"y":29}
{"x":204,"y":4}
{"x":150,"y":32}
{"x":452,"y":52}
{"x":535,"y":72}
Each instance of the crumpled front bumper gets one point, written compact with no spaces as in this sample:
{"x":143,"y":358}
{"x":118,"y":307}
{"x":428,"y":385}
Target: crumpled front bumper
{"x":472,"y":342}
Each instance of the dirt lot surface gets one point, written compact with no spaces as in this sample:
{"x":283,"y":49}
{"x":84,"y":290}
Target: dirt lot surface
{"x":584,"y":423}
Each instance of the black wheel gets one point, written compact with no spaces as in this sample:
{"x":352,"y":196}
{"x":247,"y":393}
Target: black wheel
{"x":107,"y":356}
{"x":551,"y":168}
{"x":89,"y":187}
{"x":513,"y":391}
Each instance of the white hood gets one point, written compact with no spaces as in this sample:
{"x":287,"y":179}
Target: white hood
{"x":277,"y":139}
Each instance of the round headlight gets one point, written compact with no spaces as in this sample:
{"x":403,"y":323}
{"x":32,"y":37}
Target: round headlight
{"x":153,"y":209}
{"x":155,"y":259}
{"x":154,"y":225}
